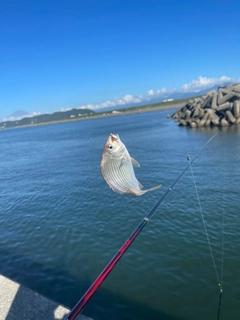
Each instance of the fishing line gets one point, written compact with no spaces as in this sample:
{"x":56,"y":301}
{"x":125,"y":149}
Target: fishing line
{"x":223,"y":220}
{"x":205,"y":227}
{"x":219,"y":279}
{"x":223,"y":223}
{"x":110,"y":266}
{"x":222,"y":256}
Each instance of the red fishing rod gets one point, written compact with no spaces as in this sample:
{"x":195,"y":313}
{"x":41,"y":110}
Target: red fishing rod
{"x":97,"y":283}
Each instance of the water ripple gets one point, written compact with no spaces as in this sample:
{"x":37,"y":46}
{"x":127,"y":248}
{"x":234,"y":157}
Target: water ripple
{"x":60,"y":224}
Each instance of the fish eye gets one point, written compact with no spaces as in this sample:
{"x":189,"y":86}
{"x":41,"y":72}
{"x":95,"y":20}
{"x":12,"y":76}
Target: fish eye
{"x":110,"y":147}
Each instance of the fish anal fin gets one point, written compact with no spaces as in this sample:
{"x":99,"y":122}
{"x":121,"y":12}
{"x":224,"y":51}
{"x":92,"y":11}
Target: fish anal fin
{"x":137,"y":192}
{"x":156,"y":187}
{"x":140,"y":185}
{"x":135,"y":163}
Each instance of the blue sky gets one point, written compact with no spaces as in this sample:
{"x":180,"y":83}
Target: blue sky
{"x":65,"y":54}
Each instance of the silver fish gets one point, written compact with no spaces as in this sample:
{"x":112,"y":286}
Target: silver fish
{"x":117,"y":168}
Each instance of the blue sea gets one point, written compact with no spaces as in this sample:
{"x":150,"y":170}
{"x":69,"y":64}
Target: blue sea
{"x":60,"y":223}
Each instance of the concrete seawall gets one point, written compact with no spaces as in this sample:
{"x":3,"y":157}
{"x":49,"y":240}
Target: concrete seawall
{"x":20,"y":303}
{"x":214,"y":109}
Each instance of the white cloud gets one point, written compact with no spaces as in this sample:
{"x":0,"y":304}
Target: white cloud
{"x":63,"y":110}
{"x":127,"y":99}
{"x":30,"y":115}
{"x":158,"y":93}
{"x":201,"y":83}
{"x":150,"y":92}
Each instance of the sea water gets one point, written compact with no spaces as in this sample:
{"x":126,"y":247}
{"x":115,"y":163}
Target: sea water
{"x":60,"y":224}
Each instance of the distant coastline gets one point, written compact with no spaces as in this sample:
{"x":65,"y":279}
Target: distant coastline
{"x":113,"y":113}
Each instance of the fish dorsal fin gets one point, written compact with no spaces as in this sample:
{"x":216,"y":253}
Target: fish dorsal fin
{"x":135,"y":163}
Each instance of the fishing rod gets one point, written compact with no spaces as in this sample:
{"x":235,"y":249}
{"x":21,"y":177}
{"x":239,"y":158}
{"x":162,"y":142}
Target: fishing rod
{"x":102,"y":276}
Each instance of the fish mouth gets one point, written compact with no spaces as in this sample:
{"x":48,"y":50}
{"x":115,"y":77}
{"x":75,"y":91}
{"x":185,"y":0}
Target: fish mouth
{"x":114,"y":137}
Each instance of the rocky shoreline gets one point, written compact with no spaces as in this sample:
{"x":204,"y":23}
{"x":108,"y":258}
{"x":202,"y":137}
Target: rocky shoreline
{"x":213,"y":109}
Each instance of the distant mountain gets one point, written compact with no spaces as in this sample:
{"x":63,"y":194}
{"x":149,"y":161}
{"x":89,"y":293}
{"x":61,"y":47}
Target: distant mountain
{"x":47,"y":118}
{"x":18,"y":114}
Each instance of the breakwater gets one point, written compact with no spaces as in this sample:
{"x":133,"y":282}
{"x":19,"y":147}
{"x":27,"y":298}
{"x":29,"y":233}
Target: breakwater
{"x":220,"y":108}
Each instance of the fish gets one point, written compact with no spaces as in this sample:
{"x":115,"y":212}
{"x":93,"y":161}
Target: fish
{"x":117,"y":168}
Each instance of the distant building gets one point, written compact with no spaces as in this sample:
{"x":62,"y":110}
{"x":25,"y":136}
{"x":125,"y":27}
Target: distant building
{"x":167,"y":100}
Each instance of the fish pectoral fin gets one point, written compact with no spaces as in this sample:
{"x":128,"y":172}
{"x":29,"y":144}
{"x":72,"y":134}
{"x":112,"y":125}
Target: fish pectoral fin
{"x":123,"y":160}
{"x":135,"y":163}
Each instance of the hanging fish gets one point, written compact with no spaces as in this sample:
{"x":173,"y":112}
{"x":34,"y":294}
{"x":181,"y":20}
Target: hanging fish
{"x":117,"y":168}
